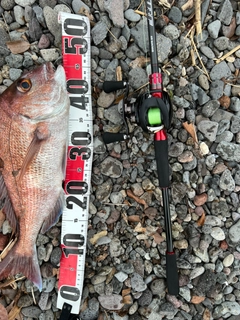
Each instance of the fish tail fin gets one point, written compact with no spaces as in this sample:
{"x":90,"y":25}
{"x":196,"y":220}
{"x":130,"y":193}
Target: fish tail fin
{"x":15,"y":263}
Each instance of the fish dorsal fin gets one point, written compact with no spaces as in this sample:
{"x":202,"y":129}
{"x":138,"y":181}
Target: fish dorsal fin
{"x":41,"y":134}
{"x":55,"y":214}
{"x":6,"y":205}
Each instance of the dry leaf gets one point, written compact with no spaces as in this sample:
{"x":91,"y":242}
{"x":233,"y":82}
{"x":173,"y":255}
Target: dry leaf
{"x":18,"y":46}
{"x":13,"y":313}
{"x":134,"y":218}
{"x":197,"y":299}
{"x":139,"y":62}
{"x":126,"y":292}
{"x":207,"y":315}
{"x":225,"y":101}
{"x":97,"y":236}
{"x":201,"y":220}
{"x":3,"y":313}
{"x":102,"y":257}
{"x":137,"y":199}
{"x":139,"y":228}
{"x":127,"y":299}
{"x":157,"y":238}
{"x":190,"y":128}
{"x":164,"y":3}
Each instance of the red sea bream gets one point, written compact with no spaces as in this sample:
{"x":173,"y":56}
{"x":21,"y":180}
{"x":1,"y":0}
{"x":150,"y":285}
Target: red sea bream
{"x":33,"y":135}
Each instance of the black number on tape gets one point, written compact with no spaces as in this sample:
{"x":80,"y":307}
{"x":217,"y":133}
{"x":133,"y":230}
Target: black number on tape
{"x":77,"y":187}
{"x":75,"y":27}
{"x":81,"y":204}
{"x":76,"y":43}
{"x":77,"y":86}
{"x":79,"y":102}
{"x":85,"y":153}
{"x":70,"y":293}
{"x":81,"y":138}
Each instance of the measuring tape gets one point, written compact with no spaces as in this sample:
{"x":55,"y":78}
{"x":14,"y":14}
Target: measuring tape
{"x":77,"y":65}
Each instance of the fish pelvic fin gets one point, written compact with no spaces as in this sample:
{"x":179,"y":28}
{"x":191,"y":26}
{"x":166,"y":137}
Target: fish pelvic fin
{"x":15,"y":263}
{"x":55,"y":214}
{"x":41,"y":134}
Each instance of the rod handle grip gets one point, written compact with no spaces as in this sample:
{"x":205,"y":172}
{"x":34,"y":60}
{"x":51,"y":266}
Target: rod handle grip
{"x":109,"y":137}
{"x":161,"y":155}
{"x":172,"y":274}
{"x":110,"y":86}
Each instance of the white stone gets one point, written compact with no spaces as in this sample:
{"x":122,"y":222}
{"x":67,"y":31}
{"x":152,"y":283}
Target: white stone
{"x":228,"y":260}
{"x":218,"y":234}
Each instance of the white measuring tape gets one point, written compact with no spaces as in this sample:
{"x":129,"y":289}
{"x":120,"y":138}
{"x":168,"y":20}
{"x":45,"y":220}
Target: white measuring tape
{"x":77,"y":65}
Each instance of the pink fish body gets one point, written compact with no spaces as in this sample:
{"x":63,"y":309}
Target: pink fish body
{"x":33,"y":136}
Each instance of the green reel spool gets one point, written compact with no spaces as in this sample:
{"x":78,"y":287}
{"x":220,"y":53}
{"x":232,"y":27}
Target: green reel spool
{"x":154,"y":117}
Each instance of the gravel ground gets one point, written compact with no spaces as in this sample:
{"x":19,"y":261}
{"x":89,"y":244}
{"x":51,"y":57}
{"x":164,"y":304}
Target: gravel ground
{"x":125,"y":268}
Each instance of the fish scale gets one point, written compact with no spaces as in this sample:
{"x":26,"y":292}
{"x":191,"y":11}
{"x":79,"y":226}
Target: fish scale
{"x":76,"y":62}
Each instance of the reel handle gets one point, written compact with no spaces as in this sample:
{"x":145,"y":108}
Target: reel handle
{"x":109,"y":137}
{"x":110,"y":86}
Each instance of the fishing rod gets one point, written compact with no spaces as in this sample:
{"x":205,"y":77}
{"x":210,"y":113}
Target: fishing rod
{"x":152,"y":111}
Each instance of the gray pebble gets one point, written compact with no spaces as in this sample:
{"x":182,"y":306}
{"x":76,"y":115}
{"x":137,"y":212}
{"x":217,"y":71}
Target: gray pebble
{"x":131,"y":15}
{"x":175,"y":14}
{"x":7,"y":4}
{"x":48,"y":284}
{"x":19,"y":15}
{"x":31,"y":311}
{"x":78,"y":4}
{"x":99,"y":32}
{"x":14,"y":60}
{"x":225,"y":12}
{"x":208,"y":128}
{"x":216,"y":89}
{"x":219,"y":71}
{"x":221,"y":43}
{"x":137,"y":283}
{"x":91,"y":312}
{"x":214,"y":28}
{"x":14,"y":74}
{"x":171,"y":32}
{"x":51,"y":18}
{"x":234,"y":232}
{"x":203,"y":82}
{"x":137,"y":77}
{"x":116,"y":249}
{"x":56,"y":256}
{"x":111,"y":167}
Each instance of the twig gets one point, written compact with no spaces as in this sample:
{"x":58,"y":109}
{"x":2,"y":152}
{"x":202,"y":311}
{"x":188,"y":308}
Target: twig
{"x":228,"y":54}
{"x":198,"y":17}
{"x":7,"y":249}
{"x":195,"y":49}
{"x":140,"y":12}
{"x":187,"y":5}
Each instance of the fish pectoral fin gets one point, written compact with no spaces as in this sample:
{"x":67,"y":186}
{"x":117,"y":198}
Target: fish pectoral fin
{"x":54,"y":215}
{"x":41,"y":134}
{"x":6,"y":204}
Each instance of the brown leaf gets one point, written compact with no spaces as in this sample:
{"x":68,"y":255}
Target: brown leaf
{"x":197,"y":299}
{"x":137,"y":199}
{"x":139,"y":228}
{"x":13,"y":313}
{"x":97,"y":236}
{"x":190,"y":128}
{"x":207,"y":315}
{"x":102,"y":257}
{"x":157,"y":238}
{"x":3,"y":313}
{"x":125,"y":292}
{"x":201,"y":220}
{"x":139,"y":62}
{"x":18,"y":46}
{"x":127,"y":299}
{"x":225,"y":101}
{"x":134,"y":218}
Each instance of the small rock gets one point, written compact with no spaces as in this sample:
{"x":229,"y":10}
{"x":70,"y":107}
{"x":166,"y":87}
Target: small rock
{"x":226,"y":181}
{"x":234,"y":232}
{"x":218,"y":234}
{"x":225,"y":12}
{"x":214,"y":28}
{"x":208,"y":128}
{"x":137,"y":283}
{"x":196,"y":272}
{"x":228,"y":260}
{"x":111,"y":167}
{"x":200,"y":199}
{"x":111,"y":302}
{"x":219,"y":71}
{"x":49,"y":54}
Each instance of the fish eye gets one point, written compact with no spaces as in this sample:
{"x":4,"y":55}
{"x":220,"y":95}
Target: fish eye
{"x":24,"y":85}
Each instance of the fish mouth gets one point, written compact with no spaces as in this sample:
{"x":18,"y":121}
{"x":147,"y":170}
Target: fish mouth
{"x":50,"y":72}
